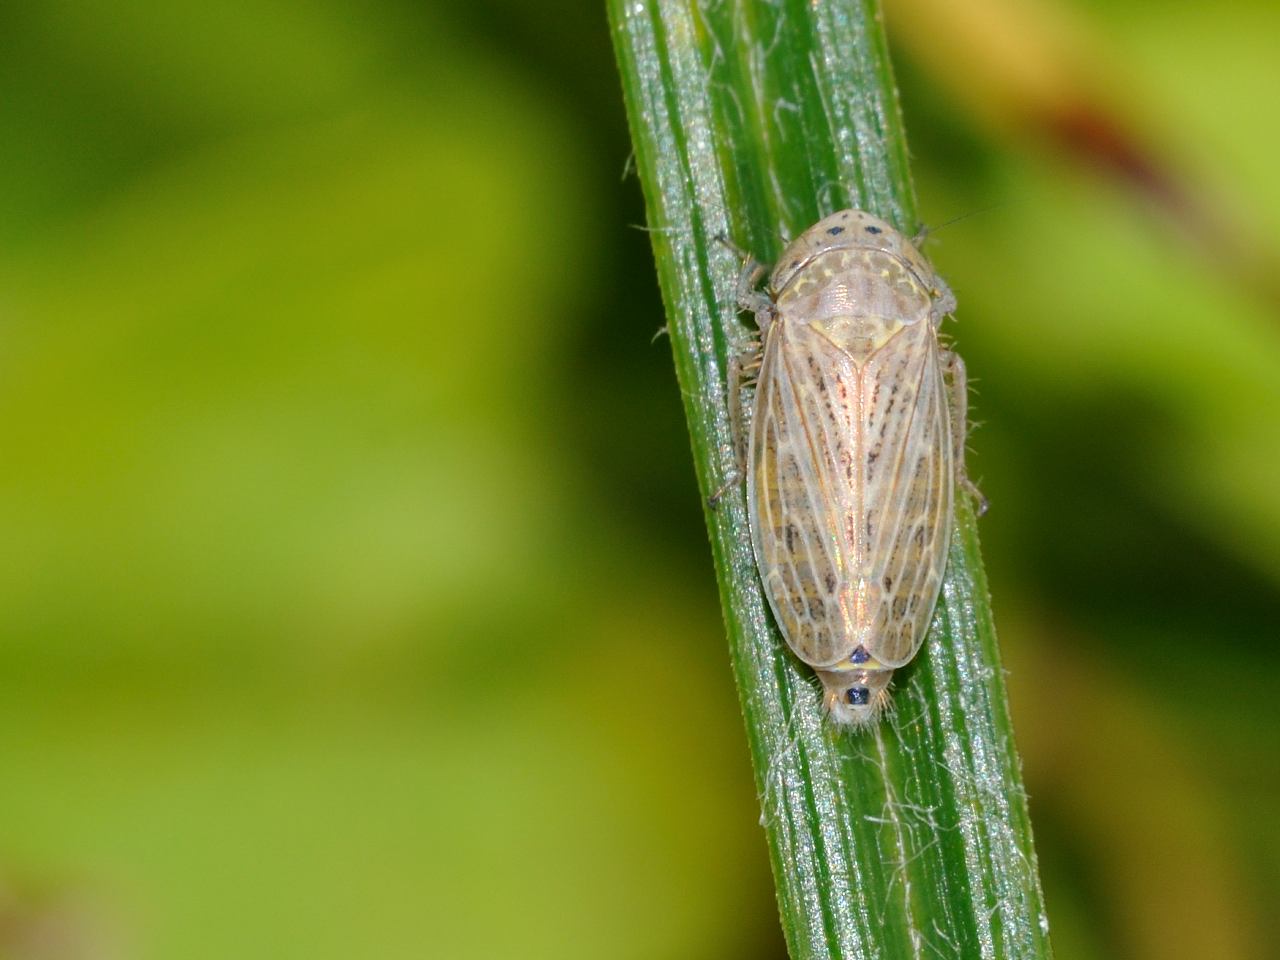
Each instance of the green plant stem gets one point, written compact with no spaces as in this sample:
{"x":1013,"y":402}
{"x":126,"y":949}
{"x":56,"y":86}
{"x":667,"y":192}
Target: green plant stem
{"x":750,"y":121}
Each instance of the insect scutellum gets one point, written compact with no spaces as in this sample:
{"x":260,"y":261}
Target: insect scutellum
{"x":852,"y":455}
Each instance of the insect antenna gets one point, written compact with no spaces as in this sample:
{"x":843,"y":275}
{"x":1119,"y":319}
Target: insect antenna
{"x":925,"y":231}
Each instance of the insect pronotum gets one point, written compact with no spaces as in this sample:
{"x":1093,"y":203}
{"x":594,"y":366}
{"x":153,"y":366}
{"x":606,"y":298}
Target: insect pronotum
{"x":855,"y":450}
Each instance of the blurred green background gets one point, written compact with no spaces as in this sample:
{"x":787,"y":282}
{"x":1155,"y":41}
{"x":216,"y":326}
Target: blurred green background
{"x":355,"y":595}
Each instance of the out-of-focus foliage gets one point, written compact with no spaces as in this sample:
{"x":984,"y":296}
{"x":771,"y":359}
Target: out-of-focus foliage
{"x":355,"y":600}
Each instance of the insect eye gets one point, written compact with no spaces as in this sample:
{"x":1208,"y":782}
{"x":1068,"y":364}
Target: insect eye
{"x":859,"y":656}
{"x":858,"y":696}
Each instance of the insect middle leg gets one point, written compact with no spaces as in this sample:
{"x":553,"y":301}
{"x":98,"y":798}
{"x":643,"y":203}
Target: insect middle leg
{"x":744,"y":368}
{"x":959,"y":383}
{"x":744,"y":360}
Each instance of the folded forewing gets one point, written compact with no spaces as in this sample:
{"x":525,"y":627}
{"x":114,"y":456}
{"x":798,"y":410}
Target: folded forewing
{"x":802,"y":488}
{"x":908,"y":489}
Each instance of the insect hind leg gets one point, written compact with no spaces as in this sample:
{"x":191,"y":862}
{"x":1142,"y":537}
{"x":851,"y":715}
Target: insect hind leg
{"x":959,"y":384}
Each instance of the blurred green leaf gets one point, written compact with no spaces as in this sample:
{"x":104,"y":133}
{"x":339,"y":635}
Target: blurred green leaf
{"x":283,"y":480}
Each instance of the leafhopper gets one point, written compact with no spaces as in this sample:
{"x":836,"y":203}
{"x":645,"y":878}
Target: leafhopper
{"x":855,"y":450}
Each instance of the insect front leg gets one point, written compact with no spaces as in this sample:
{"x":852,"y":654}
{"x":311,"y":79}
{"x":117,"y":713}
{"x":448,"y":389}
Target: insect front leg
{"x":944,"y":303}
{"x":758,"y":302}
{"x":959,"y":382}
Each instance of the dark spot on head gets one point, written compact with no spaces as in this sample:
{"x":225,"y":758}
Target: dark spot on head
{"x":871,"y":228}
{"x":858,"y":696}
{"x":860,"y":656}
{"x":835,"y":230}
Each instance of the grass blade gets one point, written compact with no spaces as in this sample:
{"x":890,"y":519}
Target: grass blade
{"x":750,"y":121}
